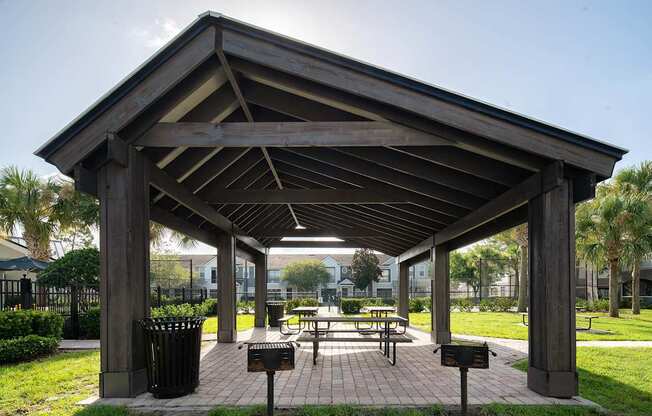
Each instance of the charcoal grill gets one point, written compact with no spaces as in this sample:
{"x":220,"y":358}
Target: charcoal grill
{"x":465,"y":355}
{"x":270,"y":357}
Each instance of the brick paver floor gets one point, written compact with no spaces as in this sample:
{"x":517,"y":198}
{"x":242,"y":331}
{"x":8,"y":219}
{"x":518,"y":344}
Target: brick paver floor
{"x":349,"y":373}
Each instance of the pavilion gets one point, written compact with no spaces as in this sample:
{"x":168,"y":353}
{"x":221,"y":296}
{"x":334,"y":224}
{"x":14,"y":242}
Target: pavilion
{"x":238,"y":137}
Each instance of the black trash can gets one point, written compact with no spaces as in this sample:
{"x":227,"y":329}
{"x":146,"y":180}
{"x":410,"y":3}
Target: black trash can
{"x":172,"y":347}
{"x":275,"y":311}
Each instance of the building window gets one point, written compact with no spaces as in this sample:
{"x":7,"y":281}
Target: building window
{"x":345,"y":272}
{"x":384,"y":293}
{"x":273,"y":276}
{"x":214,"y":275}
{"x":331,"y":273}
{"x":274,"y":294}
{"x":201,"y":273}
{"x":422,"y":273}
{"x":386,"y":275}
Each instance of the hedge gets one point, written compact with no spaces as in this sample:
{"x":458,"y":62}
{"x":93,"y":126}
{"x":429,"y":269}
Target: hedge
{"x":26,"y":348}
{"x":351,"y":306}
{"x":89,"y":323}
{"x":185,"y":309}
{"x":20,"y":323}
{"x":419,"y":304}
{"x":461,"y":304}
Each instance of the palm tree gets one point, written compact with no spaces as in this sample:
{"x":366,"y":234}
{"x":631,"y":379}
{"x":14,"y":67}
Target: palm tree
{"x":31,"y":204}
{"x":516,"y":239}
{"x":603,"y":232}
{"x":638,"y":180}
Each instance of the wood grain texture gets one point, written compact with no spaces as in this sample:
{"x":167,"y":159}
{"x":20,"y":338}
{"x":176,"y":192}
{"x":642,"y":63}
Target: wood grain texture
{"x":285,"y":134}
{"x":551,"y":328}
{"x":440,"y":286}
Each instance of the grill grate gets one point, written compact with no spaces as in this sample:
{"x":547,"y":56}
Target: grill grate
{"x":270,"y":345}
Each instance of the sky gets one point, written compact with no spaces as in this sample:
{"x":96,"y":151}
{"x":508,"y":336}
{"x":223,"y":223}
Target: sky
{"x":583,"y":65}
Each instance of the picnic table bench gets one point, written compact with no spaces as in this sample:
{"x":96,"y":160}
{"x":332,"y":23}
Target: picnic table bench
{"x":388,"y":338}
{"x":590,"y":318}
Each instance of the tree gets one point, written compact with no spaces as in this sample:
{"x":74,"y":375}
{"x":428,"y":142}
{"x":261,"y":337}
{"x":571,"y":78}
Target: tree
{"x":603,"y":231}
{"x":306,"y":275}
{"x":462,"y":270}
{"x":365,"y":270}
{"x":168,"y":270}
{"x":75,"y":267}
{"x":516,"y":250}
{"x":482,"y":265}
{"x":79,"y":215}
{"x":637,"y":180}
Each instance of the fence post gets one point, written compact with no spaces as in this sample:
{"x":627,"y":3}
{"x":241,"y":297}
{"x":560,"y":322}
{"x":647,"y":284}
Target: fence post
{"x":25,"y":293}
{"x":74,"y":310}
{"x":183,"y":295}
{"x":158,"y":295}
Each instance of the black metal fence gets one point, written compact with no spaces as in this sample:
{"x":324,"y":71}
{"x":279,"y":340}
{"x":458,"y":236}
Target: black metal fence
{"x":71,"y":302}
{"x":161,"y":296}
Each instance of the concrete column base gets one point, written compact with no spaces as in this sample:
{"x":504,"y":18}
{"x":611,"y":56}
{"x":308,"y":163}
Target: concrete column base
{"x":560,"y":384}
{"x":123,"y":383}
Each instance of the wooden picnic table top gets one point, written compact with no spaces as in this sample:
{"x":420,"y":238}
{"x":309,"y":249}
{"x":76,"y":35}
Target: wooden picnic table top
{"x":353,"y":319}
{"x":380,"y":308}
{"x":305,"y":309}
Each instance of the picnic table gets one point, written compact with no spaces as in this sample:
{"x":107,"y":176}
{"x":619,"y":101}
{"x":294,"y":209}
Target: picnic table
{"x":589,"y":318}
{"x":300,"y":311}
{"x":386,"y":338}
{"x":377,"y":312}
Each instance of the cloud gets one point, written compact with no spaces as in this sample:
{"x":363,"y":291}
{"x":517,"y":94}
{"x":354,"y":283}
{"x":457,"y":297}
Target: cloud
{"x":158,"y":34}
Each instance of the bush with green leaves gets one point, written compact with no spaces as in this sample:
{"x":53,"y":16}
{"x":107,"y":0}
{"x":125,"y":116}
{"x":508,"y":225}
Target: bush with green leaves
{"x":419,"y":304}
{"x":462,"y":304}
{"x":24,"y":322}
{"x":26,"y":348}
{"x":245,"y":306}
{"x":600,"y":305}
{"x":351,"y":305}
{"x":81,"y":267}
{"x":185,"y":309}
{"x":295,"y":303}
{"x":89,"y":323}
{"x":504,"y":304}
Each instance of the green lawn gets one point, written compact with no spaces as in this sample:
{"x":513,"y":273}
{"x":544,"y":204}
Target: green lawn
{"x":48,"y":386}
{"x":243,"y":322}
{"x":619,"y":379}
{"x":509,"y":325}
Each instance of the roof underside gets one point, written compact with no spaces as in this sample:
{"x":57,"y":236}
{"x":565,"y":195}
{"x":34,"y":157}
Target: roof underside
{"x":413,"y":191}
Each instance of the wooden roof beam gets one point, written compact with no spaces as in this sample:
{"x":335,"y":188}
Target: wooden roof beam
{"x":286,"y":134}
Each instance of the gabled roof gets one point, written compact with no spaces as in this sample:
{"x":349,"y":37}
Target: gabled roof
{"x":230,"y":106}
{"x":212,"y":18}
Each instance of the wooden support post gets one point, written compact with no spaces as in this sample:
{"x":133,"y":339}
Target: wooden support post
{"x":403,"y":289}
{"x":226,"y":304}
{"x":441,"y":321}
{"x":261,"y":291}
{"x":124,"y":274}
{"x":551,"y":227}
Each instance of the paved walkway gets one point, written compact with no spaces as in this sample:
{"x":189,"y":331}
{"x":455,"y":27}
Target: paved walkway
{"x":348,"y":373}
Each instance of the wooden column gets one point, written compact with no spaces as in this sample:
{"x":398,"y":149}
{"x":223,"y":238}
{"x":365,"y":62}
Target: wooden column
{"x":123,"y":190}
{"x":441,"y":321}
{"x":403,"y":289}
{"x":261,"y":290}
{"x":226,"y":304}
{"x":551,"y":227}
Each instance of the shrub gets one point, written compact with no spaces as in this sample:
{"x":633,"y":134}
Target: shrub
{"x":504,"y":304}
{"x":208,"y":307}
{"x":245,"y":306}
{"x":485,"y":305}
{"x":25,"y":322}
{"x":295,"y":303}
{"x":89,"y":323}
{"x":600,"y":305}
{"x":26,"y":348}
{"x":582,"y":304}
{"x":462,"y":304}
{"x":15,"y":324}
{"x":351,"y":306}
{"x":419,"y":304}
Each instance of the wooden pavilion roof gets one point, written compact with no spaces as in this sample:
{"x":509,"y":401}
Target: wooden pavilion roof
{"x":250,"y":131}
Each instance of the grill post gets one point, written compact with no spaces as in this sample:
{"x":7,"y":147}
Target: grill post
{"x":463,"y":374}
{"x":270,"y":392}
